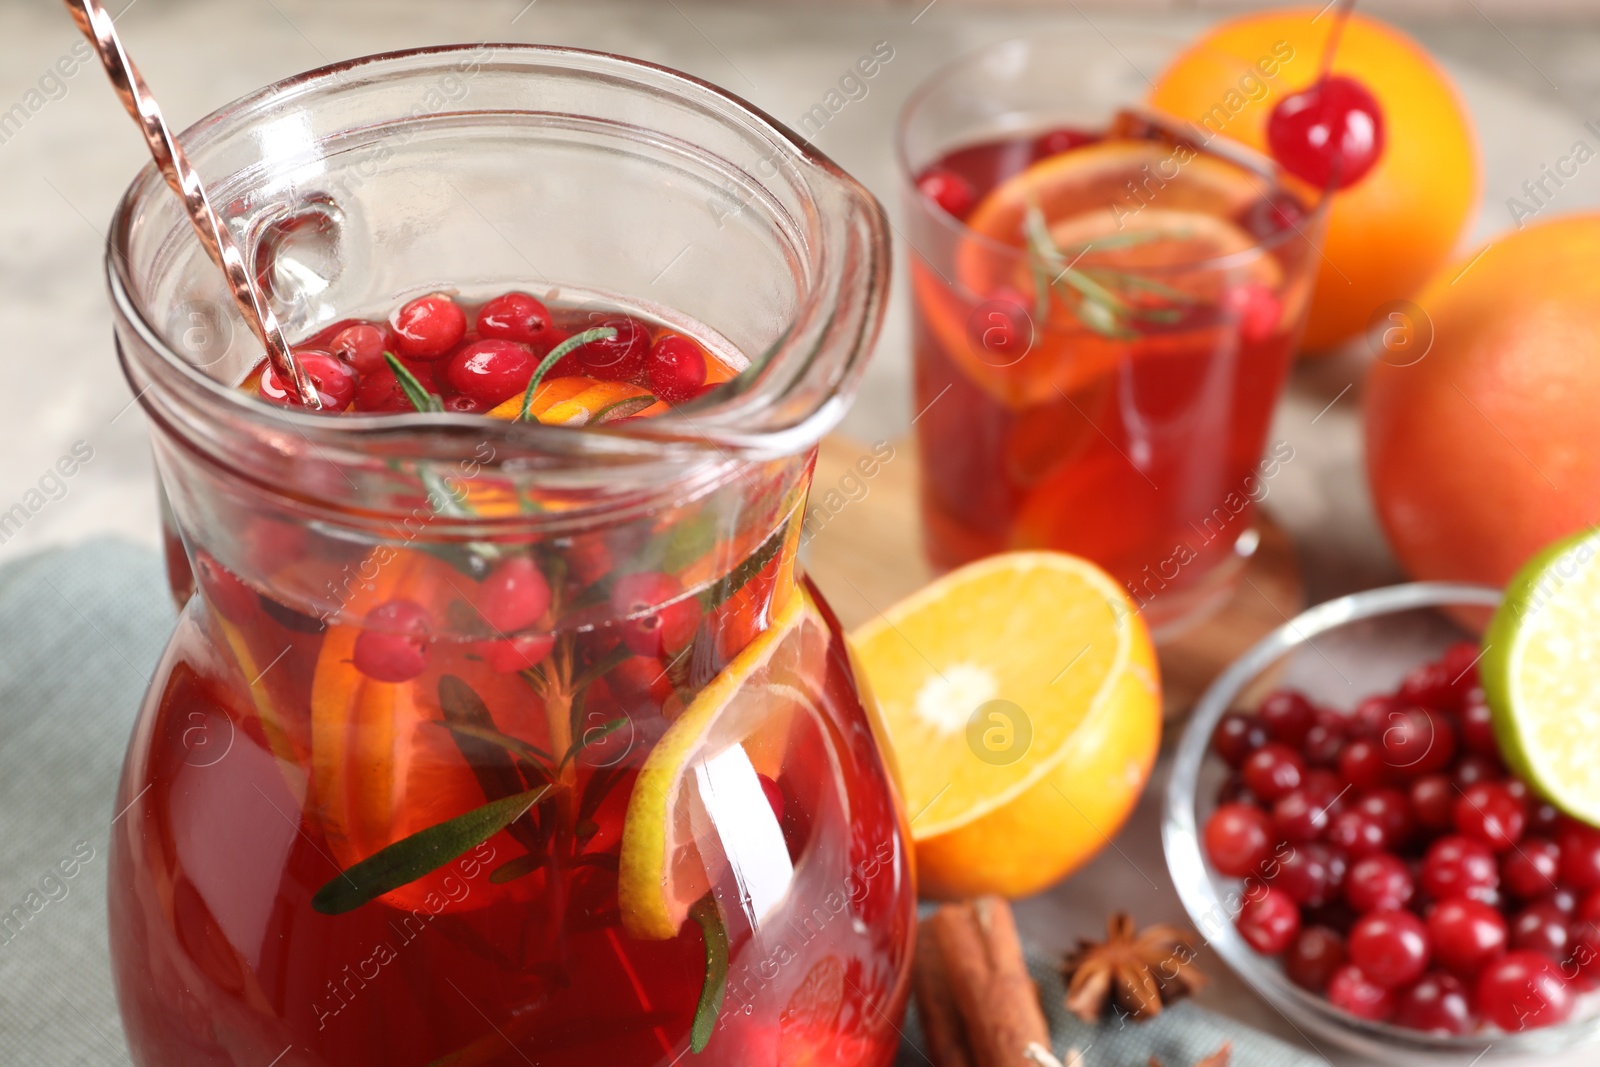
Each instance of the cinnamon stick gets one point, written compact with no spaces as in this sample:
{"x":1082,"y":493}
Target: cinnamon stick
{"x":942,"y":1028}
{"x":975,"y":949}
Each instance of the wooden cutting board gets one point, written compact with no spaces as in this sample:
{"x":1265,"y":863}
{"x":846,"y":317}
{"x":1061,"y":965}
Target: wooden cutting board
{"x":864,"y":551}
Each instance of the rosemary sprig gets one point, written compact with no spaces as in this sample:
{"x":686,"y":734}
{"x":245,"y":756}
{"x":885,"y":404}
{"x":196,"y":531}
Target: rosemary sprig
{"x":711,"y":992}
{"x":577,"y":340}
{"x":420,"y":398}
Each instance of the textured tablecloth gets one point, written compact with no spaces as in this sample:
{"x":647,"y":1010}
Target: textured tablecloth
{"x":81,"y":630}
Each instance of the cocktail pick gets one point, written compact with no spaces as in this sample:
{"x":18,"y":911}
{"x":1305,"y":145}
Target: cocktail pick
{"x":95,"y":23}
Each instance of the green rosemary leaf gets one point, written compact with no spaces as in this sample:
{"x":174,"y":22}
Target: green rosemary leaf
{"x":420,"y":854}
{"x":594,"y":792}
{"x":516,"y":867}
{"x":486,"y":750}
{"x":716,"y":934}
{"x":593,"y":735}
{"x":577,"y":340}
{"x":531,"y":753}
{"x":420,"y":398}
{"x":622,"y":409}
{"x":611,"y":662}
{"x":717,"y":593}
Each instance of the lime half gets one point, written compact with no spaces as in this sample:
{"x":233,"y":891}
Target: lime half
{"x":1541,"y":675}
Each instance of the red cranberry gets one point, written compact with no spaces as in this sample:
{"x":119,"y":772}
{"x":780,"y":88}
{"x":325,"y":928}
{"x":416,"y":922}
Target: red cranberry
{"x":1466,"y":934}
{"x":1437,"y":1004}
{"x":1477,"y":729}
{"x":1269,"y":921}
{"x":1374,"y":715}
{"x":1580,"y":856}
{"x":1311,"y":874}
{"x":1459,"y":866}
{"x":1541,"y":927}
{"x":224,"y":590}
{"x":1379,"y":882}
{"x":774,"y":795}
{"x":1523,"y":991}
{"x":1429,"y":686}
{"x":1233,"y":791}
{"x":393,"y":644}
{"x":334,"y":381}
{"x":1460,"y":663}
{"x":1324,"y":740}
{"x":620,"y":358}
{"x":516,"y":653}
{"x":1473,"y":768}
{"x":1351,"y":991}
{"x":1362,"y":764}
{"x":380,"y":393}
{"x":1055,"y":142}
{"x":1272,"y":771}
{"x":514,"y":317}
{"x":1390,"y":947}
{"x":949,"y":190}
{"x":428,"y":327}
{"x":655,"y":617}
{"x":1358,"y":833}
{"x":1287,"y":715}
{"x":1314,"y":956}
{"x":361,"y":346}
{"x":1489,"y":813}
{"x":1392,"y":809}
{"x":491,"y":371}
{"x":1543,"y":818}
{"x":1257,"y":310}
{"x":1330,"y":133}
{"x":1300,"y":815}
{"x":1238,"y":839}
{"x":1529,"y":871}
{"x":1237,"y":736}
{"x":1433,"y":798}
{"x":514,"y":595}
{"x":1418,"y":742}
{"x":676,"y":368}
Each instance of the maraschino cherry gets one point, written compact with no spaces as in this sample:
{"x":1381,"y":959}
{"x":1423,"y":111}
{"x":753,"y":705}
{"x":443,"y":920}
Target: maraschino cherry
{"x":1330,"y":133}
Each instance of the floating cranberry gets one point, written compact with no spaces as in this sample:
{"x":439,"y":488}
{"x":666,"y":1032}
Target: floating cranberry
{"x":655,"y":616}
{"x":1523,"y":991}
{"x":334,"y":381}
{"x":616,"y":359}
{"x":1238,"y":839}
{"x":676,"y":368}
{"x":1390,"y":947}
{"x":361,"y":346}
{"x":516,"y":653}
{"x":1459,"y":866}
{"x":428,"y":327}
{"x":1054,"y":142}
{"x":1466,"y":934}
{"x":953,"y":193}
{"x":223,"y":589}
{"x":1272,"y":771}
{"x":1236,"y":736}
{"x":1330,"y":134}
{"x":491,"y":371}
{"x":1433,"y":798}
{"x":514,"y":317}
{"x":642,"y":681}
{"x":1287,"y":715}
{"x":1269,"y":921}
{"x":1256,"y":308}
{"x":1316,"y":953}
{"x":1580,"y":856}
{"x":1437,"y":1004}
{"x":1489,"y":813}
{"x":1379,"y":882}
{"x":380,"y":393}
{"x":1352,"y":991}
{"x":1312,"y":874}
{"x":514,"y":595}
{"x":393,"y":644}
{"x":1541,"y":927}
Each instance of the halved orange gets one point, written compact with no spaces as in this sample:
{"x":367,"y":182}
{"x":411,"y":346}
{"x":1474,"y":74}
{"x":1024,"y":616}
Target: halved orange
{"x":1022,"y":698}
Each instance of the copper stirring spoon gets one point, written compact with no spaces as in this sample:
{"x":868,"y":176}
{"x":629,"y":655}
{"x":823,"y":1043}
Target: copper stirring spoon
{"x":95,"y":23}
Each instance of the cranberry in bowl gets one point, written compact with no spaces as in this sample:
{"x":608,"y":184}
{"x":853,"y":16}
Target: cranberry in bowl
{"x":1342,"y":830}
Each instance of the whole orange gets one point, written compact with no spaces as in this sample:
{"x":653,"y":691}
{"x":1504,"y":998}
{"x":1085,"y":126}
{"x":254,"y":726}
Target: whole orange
{"x":1390,"y":231}
{"x":1487,"y":448}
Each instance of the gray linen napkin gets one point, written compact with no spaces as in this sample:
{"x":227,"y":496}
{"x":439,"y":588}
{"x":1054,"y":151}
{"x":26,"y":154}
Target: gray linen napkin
{"x":80,"y":632}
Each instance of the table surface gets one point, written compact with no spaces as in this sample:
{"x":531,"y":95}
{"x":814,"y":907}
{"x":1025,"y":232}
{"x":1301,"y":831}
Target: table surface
{"x":66,"y":155}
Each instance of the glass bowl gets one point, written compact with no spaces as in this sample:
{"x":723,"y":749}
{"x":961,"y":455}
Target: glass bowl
{"x":1336,"y":653}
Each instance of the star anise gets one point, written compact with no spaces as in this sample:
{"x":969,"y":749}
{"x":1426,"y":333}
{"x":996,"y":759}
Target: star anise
{"x":1141,"y":970}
